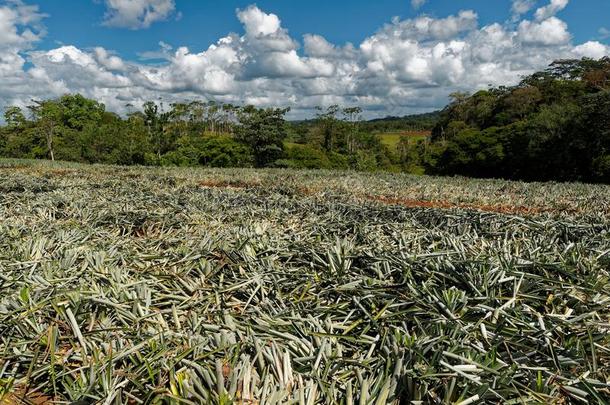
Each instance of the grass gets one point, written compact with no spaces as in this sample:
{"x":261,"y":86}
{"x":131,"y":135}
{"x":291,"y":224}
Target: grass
{"x":392,"y":139}
{"x":154,"y":285}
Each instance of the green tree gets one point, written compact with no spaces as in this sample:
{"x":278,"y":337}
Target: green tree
{"x":305,"y":157}
{"x":159,"y":128}
{"x":78,"y":111}
{"x":48,"y":115}
{"x":223,"y":151}
{"x":353,"y":117}
{"x":328,"y":125}
{"x":472,"y":153}
{"x":264,"y":131}
{"x":14,"y":117}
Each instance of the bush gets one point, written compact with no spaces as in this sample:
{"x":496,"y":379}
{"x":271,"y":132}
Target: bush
{"x":223,"y":151}
{"x":601,"y":168}
{"x":304,"y":157}
{"x":472,"y":153}
{"x":338,"y":161}
{"x":184,"y":156}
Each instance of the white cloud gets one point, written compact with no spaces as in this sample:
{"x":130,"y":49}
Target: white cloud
{"x":407,"y":66}
{"x":20,"y":25}
{"x":429,"y":29}
{"x":164,"y":52}
{"x":257,"y":23}
{"x":80,"y":70}
{"x":553,"y":8}
{"x":317,"y":45}
{"x":592,"y":49}
{"x":108,"y":60}
{"x":520,"y":7}
{"x":137,"y":14}
{"x":551,"y":31}
{"x":604,"y":33}
{"x":20,"y":28}
{"x":417,"y":3}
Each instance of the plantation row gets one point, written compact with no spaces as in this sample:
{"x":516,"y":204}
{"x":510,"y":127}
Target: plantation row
{"x":140,"y":285}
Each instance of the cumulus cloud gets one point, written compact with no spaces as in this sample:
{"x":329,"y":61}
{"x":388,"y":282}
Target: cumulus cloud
{"x":20,"y":28}
{"x":592,"y":49}
{"x":137,"y":14}
{"x":430,"y":29}
{"x":551,"y":31}
{"x":553,"y":8}
{"x":164,"y":52}
{"x":317,"y":45}
{"x":20,"y":25}
{"x":407,"y":66}
{"x":257,"y":23}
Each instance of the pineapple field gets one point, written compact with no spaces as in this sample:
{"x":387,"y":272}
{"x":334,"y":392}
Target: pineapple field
{"x":132,"y":285}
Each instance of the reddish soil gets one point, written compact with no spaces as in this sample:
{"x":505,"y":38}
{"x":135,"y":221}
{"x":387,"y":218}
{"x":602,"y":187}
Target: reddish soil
{"x":15,"y":167}
{"x":502,"y":209}
{"x":406,"y":202}
{"x":233,"y":184}
{"x":21,"y":396}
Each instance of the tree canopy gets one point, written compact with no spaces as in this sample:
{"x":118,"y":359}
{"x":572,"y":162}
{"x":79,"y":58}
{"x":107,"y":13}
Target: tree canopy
{"x":553,"y":125}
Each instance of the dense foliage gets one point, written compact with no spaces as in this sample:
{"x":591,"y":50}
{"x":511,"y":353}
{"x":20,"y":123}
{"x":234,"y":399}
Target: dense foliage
{"x":77,"y":129}
{"x":417,"y":122}
{"x":222,"y":286}
{"x":73,"y":128}
{"x":554,"y":125}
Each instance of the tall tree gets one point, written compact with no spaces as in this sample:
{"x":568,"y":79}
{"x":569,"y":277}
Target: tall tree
{"x":156,"y":121}
{"x":264,"y":131}
{"x":328,"y":124}
{"x":48,"y":115}
{"x":353,"y":116}
{"x":14,"y":117}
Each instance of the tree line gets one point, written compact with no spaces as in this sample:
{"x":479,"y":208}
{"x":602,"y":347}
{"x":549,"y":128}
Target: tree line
{"x":75,"y":128}
{"x":553,"y":125}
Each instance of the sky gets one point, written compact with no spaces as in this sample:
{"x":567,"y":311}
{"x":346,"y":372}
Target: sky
{"x":391,"y":57}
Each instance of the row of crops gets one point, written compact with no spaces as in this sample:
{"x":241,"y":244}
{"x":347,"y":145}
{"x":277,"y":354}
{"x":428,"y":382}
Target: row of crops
{"x":140,"y":285}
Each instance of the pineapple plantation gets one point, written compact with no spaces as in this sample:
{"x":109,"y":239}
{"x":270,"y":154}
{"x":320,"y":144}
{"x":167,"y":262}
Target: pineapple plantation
{"x":187,"y":286}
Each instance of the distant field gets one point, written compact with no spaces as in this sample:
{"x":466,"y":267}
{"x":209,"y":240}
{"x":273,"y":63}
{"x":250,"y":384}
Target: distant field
{"x":188,"y":286}
{"x":391,"y":139}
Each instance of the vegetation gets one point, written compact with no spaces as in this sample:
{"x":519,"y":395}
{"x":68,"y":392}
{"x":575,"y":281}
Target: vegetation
{"x":410,"y":123}
{"x":155,"y":285}
{"x":554,"y":125}
{"x":73,"y":128}
{"x":393,"y":139}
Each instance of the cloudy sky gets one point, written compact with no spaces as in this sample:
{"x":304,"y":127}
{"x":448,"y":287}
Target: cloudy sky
{"x":391,"y":57}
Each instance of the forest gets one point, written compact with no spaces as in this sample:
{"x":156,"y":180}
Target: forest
{"x":553,"y":125}
{"x":74,"y":128}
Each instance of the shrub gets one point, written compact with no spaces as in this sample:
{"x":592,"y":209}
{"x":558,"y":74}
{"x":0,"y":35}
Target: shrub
{"x":304,"y":157}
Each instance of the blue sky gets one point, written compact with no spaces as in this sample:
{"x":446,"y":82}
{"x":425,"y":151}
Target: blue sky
{"x":202,"y":22}
{"x":391,"y":57}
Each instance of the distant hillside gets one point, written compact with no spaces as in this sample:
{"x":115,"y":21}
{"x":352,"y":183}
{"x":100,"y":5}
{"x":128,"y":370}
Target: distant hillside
{"x":415,"y":122}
